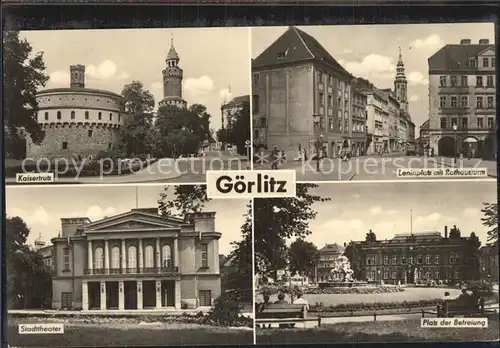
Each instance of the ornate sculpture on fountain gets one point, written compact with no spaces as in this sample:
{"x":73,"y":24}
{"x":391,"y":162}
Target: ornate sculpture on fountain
{"x":342,"y":271}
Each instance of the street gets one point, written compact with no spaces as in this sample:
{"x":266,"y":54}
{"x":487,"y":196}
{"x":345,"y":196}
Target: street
{"x":375,"y":168}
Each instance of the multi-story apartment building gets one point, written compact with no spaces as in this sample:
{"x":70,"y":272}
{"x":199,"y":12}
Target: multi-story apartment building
{"x":407,"y":258}
{"x":376,"y":113}
{"x":230,"y":108}
{"x":328,"y":255}
{"x":136,"y":260}
{"x":411,"y":131}
{"x":489,"y":262}
{"x":462,"y":99}
{"x":402,"y":130}
{"x":358,"y":129}
{"x":424,"y":135}
{"x":394,"y":107}
{"x":301,"y":96}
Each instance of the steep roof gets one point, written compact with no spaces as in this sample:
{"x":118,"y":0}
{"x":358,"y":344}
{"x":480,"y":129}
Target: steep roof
{"x":172,"y":53}
{"x":238,"y":101}
{"x":332,"y":248}
{"x":456,"y":57}
{"x":295,"y":46}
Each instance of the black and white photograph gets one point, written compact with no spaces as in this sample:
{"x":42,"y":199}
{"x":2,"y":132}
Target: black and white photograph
{"x":126,"y":105}
{"x":364,"y":102}
{"x":128,"y":266}
{"x":368,"y":262}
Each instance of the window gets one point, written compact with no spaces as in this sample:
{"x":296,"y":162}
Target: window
{"x":86,"y":115}
{"x":46,"y":116}
{"x":110,"y":116}
{"x":485,"y":62}
{"x":464,"y":101}
{"x":427,"y":259}
{"x":205,"y":297}
{"x":255,"y":104}
{"x":442,"y":101}
{"x":263,"y":122}
{"x":443,"y":122}
{"x":465,"y":122}
{"x":321,"y":99}
{"x":412,"y":260}
{"x":472,"y":63}
{"x":386,"y":260}
{"x":166,"y":256}
{"x":66,"y":259}
{"x":330,"y":101}
{"x":464,"y":81}
{"x":403,"y":260}
{"x":394,"y":260}
{"x":110,"y":146}
{"x":386,"y":273}
{"x":454,"y":122}
{"x":492,"y":62}
{"x":330,"y":80}
{"x":255,"y":79}
{"x":66,"y":300}
{"x":330,"y":123}
{"x":89,"y":132}
{"x":479,"y":102}
{"x":479,"y":81}
{"x":132,"y":257}
{"x":491,"y":121}
{"x":204,"y":255}
{"x":456,"y":274}
{"x":99,"y":116}
{"x":442,"y":81}
{"x":149,"y":260}
{"x":453,"y":81}
{"x":321,"y":77}
{"x":453,"y":101}
{"x":59,"y":115}
{"x":489,"y":81}
{"x":99,"y":258}
{"x":394,"y":274}
{"x":436,"y":274}
{"x":420,"y":259}
{"x":479,"y":122}
{"x":115,"y":257}
{"x":436,"y":259}
{"x":65,"y":145}
{"x":119,"y":117}
{"x":490,"y":103}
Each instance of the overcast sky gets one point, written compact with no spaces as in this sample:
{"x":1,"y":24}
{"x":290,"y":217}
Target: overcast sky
{"x":213,"y":59}
{"x":43,"y":207}
{"x":385,"y":208}
{"x":371,"y":51}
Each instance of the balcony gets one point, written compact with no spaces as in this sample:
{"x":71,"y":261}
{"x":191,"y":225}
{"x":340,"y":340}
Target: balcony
{"x":145,"y":270}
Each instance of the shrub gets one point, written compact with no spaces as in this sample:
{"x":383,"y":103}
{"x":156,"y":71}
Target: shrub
{"x":226,"y":311}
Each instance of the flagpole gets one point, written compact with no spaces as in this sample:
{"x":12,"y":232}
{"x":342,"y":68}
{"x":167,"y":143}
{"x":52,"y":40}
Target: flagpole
{"x":411,"y":222}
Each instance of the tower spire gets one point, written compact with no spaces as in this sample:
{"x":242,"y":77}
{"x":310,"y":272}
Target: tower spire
{"x":172,"y":39}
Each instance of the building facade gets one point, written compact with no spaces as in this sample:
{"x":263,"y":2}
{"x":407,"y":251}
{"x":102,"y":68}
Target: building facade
{"x":393,"y":122}
{"x":462,"y":105}
{"x":136,"y":260}
{"x":172,"y":80}
{"x":77,"y":121}
{"x":328,"y":255}
{"x":230,"y":108}
{"x":377,"y":112}
{"x":358,"y":131}
{"x":408,"y":258}
{"x":301,"y":96}
{"x":424,"y":135}
{"x":489,"y":262}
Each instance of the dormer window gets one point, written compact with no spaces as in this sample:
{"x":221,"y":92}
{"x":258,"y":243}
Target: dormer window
{"x":472,"y":63}
{"x":283,"y":54}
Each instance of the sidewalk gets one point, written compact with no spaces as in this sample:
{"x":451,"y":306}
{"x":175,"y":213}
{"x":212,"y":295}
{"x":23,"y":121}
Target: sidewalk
{"x":491,"y":166}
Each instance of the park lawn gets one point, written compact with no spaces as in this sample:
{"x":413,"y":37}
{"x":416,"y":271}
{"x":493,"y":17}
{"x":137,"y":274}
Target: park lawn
{"x":381,"y":331}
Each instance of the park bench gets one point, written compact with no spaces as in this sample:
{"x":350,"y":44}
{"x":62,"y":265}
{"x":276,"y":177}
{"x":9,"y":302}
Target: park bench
{"x":467,"y":307}
{"x":284,"y":315}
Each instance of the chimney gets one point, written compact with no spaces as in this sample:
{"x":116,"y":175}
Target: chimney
{"x":465,"y":42}
{"x":445,"y":232}
{"x":204,"y":222}
{"x":484,"y":42}
{"x":77,"y":76}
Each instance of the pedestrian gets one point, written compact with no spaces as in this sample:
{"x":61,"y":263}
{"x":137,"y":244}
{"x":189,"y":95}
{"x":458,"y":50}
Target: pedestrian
{"x":473,"y":153}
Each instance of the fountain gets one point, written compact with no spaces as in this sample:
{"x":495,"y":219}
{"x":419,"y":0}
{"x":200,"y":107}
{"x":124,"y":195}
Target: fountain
{"x":341,"y":275}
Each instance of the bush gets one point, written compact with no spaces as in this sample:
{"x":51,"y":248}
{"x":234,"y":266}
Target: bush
{"x":226,"y":312}
{"x":353,"y":290}
{"x":374,"y":306}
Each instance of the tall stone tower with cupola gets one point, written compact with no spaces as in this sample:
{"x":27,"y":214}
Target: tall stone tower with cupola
{"x":401,"y":84}
{"x":172,"y":80}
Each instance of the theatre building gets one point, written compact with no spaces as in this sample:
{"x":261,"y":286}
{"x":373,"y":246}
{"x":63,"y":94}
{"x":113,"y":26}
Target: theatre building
{"x":425,"y":256}
{"x":136,"y":260}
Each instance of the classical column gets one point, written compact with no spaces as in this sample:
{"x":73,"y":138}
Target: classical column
{"x":158,"y":254}
{"x":85,"y":295}
{"x":106,"y":256}
{"x":103,"y":296}
{"x":124,"y":257}
{"x":158,"y":294}
{"x":90,"y":257}
{"x":177,"y":294}
{"x":140,"y":253}
{"x":176,"y":252}
{"x":121,"y":295}
{"x":139,"y":294}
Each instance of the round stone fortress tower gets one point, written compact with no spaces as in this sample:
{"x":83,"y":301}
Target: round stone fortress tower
{"x":77,"y":121}
{"x":172,"y":80}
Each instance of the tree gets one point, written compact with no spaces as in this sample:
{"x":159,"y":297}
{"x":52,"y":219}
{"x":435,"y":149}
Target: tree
{"x":279,"y":219}
{"x":135,"y":136}
{"x":23,"y":76}
{"x":222,"y":136}
{"x":472,"y":257}
{"x":188,"y":199}
{"x":303,"y":257}
{"x":455,"y":232}
{"x":371,"y":236}
{"x":354,"y":254}
{"x":490,"y":220}
{"x":239,"y":132}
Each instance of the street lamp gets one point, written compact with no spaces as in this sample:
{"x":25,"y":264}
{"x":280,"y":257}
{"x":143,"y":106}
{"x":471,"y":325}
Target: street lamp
{"x":455,"y":137}
{"x":247,"y":146}
{"x":319,"y":144}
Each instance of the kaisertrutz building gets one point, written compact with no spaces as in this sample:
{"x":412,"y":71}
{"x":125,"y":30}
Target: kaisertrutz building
{"x":77,"y":121}
{"x":462,"y":106}
{"x":424,"y":256}
{"x":358,"y":129}
{"x":172,"y":80}
{"x":302,"y":96}
{"x":489,"y":262}
{"x":328,"y":255}
{"x":136,"y":260}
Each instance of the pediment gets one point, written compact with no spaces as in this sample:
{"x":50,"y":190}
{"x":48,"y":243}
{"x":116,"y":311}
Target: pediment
{"x":487,"y":52}
{"x":132,"y":221}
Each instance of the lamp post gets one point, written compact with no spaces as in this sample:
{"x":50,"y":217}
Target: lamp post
{"x":319,"y":144}
{"x":455,"y":138}
{"x":247,"y":146}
